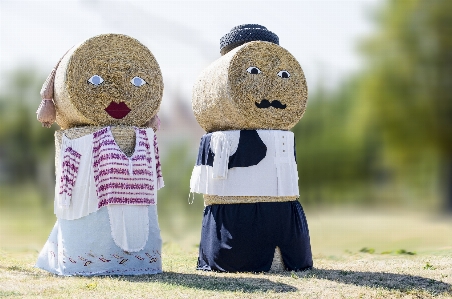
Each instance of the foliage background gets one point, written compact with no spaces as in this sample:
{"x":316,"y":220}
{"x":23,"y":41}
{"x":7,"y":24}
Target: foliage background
{"x":380,"y":139}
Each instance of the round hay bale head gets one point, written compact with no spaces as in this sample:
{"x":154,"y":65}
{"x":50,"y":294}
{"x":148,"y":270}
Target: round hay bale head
{"x":258,"y":85}
{"x":110,"y":79}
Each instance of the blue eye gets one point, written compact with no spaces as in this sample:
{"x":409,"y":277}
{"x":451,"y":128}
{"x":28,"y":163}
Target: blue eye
{"x":253,"y":70}
{"x":137,"y":81}
{"x":284,"y":74}
{"x":95,"y":80}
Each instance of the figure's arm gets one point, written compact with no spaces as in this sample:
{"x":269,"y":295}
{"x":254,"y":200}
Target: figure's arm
{"x":205,"y":155}
{"x":223,"y":145}
{"x":67,"y":163}
{"x":158,"y":166}
{"x":72,"y":133}
{"x":58,"y":141}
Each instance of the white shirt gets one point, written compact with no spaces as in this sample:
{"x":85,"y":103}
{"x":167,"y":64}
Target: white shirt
{"x":275,"y":175}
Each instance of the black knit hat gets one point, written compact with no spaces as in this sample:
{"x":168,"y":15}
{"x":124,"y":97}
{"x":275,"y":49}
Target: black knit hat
{"x":246,"y":33}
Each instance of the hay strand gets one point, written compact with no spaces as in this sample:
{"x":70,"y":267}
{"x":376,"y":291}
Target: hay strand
{"x":277,"y":263}
{"x":217,"y":199}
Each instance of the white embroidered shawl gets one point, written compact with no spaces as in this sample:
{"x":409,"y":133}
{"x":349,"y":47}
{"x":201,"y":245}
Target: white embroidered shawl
{"x":94,"y":172}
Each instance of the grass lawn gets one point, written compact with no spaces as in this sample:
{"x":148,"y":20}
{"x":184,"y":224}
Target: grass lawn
{"x":351,"y":275}
{"x":357,"y":254}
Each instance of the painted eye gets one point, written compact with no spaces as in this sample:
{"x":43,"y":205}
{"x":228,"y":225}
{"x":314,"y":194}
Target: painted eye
{"x":95,"y":80}
{"x":284,"y":74}
{"x":253,"y":70}
{"x":137,"y":81}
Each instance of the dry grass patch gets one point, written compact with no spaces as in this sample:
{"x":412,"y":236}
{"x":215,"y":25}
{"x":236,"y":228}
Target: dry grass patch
{"x":352,"y":275}
{"x":357,"y":254}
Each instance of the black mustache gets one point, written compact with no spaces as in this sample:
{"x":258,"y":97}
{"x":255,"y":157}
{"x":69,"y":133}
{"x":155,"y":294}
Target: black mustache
{"x":266,"y":103}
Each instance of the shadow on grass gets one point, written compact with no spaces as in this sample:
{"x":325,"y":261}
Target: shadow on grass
{"x":214,"y":283}
{"x":195,"y":281}
{"x":400,"y":282}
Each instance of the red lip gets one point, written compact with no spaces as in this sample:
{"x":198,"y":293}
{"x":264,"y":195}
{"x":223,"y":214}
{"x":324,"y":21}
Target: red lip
{"x":117,"y":110}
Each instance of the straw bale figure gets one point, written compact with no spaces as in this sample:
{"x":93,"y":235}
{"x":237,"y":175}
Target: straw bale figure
{"x":247,"y":101}
{"x":104,"y":94}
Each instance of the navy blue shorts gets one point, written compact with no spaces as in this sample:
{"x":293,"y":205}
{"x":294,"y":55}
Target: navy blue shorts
{"x":243,"y":237}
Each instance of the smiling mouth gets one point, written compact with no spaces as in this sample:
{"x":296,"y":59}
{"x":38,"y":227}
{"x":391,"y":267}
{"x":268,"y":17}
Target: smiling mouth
{"x":117,"y":110}
{"x":266,"y":103}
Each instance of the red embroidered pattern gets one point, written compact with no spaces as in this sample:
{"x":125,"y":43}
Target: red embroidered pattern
{"x":119,"y":179}
{"x":157,"y":158}
{"x":153,"y":257}
{"x":69,"y":170}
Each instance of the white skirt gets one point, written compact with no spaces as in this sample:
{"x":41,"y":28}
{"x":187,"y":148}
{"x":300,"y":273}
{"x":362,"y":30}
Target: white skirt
{"x":89,"y":246}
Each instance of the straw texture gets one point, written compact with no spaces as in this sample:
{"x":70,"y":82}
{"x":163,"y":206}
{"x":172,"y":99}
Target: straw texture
{"x":217,"y":199}
{"x":117,"y":59}
{"x":277,"y":263}
{"x":225,"y":94}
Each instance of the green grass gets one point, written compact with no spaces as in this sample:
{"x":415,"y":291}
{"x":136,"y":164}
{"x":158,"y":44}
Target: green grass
{"x":357,"y":254}
{"x":353,"y":275}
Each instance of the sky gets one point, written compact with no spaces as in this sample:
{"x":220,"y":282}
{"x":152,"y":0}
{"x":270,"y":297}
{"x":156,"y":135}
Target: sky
{"x":184,"y":35}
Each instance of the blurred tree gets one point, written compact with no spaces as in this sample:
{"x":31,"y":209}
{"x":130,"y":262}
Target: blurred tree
{"x":25,"y":147}
{"x":334,"y":164}
{"x":407,"y":87}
